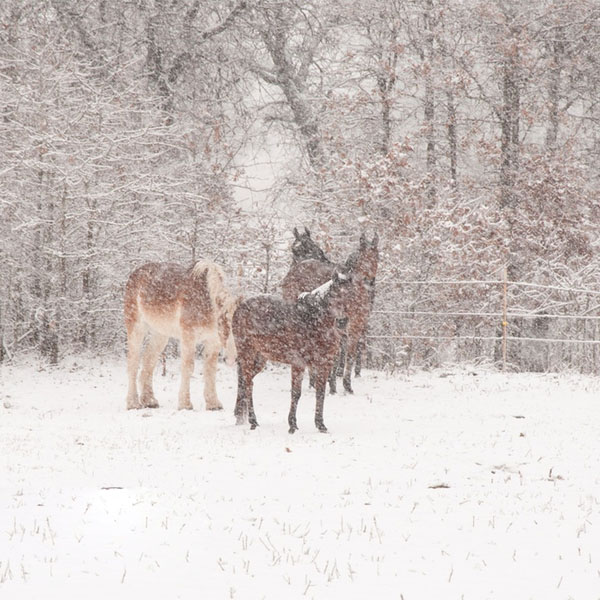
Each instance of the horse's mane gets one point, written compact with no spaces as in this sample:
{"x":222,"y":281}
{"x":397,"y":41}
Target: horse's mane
{"x":220,"y":297}
{"x":354,"y":259}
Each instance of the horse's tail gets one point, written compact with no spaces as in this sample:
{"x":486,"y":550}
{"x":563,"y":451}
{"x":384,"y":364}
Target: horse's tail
{"x":130,"y":301}
{"x":222,"y":301}
{"x":214,"y":281}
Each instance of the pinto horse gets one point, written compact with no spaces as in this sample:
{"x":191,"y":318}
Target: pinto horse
{"x":191,"y":304}
{"x":307,"y":274}
{"x":302,"y":334}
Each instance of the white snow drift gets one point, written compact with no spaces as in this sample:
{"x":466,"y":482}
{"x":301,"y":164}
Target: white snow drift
{"x":430,"y":485}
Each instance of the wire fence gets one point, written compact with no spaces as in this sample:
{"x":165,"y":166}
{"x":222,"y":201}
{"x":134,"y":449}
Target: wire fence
{"x":515,"y":324}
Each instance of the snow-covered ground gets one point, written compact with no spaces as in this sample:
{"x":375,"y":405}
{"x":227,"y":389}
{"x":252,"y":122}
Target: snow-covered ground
{"x":440,"y":485}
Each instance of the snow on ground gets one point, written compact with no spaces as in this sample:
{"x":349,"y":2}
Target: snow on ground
{"x":429,"y":485}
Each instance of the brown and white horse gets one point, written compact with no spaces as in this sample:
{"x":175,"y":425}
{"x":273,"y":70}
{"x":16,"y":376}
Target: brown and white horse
{"x":191,"y":304}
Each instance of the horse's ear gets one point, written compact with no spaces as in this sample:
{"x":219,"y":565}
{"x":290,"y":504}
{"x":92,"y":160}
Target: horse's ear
{"x":296,"y":234}
{"x":363,"y":241}
{"x":375,"y":240}
{"x":307,"y":231}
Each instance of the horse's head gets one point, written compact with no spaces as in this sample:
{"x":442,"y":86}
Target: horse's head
{"x":227,"y":306}
{"x":335,"y":295}
{"x":304,"y":247}
{"x":364,"y":262}
{"x":341,"y":293}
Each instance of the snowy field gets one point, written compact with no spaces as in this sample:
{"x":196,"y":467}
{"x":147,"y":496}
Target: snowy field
{"x":451,"y":484}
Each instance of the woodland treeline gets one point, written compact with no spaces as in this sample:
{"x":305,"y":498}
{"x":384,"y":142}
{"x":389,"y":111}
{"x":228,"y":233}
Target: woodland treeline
{"x":466,"y":132}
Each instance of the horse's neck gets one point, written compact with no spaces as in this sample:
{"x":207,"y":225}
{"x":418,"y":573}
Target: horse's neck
{"x":317,"y":310}
{"x":326,"y":316}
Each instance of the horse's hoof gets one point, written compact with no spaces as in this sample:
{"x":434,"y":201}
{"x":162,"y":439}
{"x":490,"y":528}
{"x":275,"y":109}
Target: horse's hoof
{"x":239,"y":420}
{"x":253,"y":426}
{"x":214,"y":408}
{"x":321,"y":427}
{"x":293,"y":429}
{"x":185,"y":407}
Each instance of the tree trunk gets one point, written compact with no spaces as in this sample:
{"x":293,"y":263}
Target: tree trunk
{"x":296,"y":94}
{"x":452,"y":138}
{"x":510,"y":120}
{"x":429,"y":106}
{"x":558,"y":49}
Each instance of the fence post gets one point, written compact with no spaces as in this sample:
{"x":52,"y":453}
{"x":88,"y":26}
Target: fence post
{"x":504,"y":317}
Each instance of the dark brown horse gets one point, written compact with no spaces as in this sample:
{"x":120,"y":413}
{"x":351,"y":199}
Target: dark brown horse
{"x":192,"y":304}
{"x":307,"y":274}
{"x":302,"y":334}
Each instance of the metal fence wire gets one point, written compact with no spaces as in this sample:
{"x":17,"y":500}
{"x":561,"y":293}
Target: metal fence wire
{"x":517,"y":325}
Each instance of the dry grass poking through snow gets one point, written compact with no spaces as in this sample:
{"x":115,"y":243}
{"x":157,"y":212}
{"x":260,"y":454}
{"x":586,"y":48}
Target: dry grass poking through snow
{"x":428,"y":486}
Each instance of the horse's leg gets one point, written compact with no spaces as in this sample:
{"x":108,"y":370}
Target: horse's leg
{"x":338,"y":366}
{"x":135,"y":338}
{"x":249,"y":386}
{"x":241,"y":404}
{"x":359,"y":354}
{"x":311,"y":378}
{"x":340,"y":360}
{"x":248,"y":367}
{"x":347,"y":381}
{"x":154,"y":348}
{"x":255,"y":368}
{"x":355,"y":332}
{"x":297,"y":374}
{"x":188,"y":348}
{"x":332,"y":379}
{"x":320,"y":384}
{"x":211,"y":355}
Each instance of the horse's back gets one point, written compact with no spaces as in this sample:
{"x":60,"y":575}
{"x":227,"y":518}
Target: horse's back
{"x":157,"y":283}
{"x":269,"y":319}
{"x":290,"y":333}
{"x":169,"y":298}
{"x":260,"y":315}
